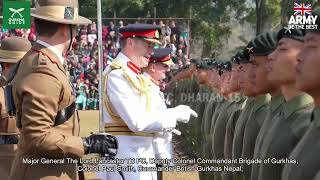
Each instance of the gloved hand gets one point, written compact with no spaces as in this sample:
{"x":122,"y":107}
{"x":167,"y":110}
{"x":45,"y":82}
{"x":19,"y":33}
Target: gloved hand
{"x":103,"y":144}
{"x":184,"y":112}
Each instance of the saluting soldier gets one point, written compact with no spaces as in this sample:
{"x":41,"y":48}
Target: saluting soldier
{"x":11,"y":51}
{"x":292,"y":122}
{"x":307,"y":80}
{"x":128,"y":112}
{"x":44,"y":100}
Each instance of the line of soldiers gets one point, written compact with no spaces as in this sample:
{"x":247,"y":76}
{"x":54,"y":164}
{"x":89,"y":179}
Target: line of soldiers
{"x":138,"y":123}
{"x":261,"y":105}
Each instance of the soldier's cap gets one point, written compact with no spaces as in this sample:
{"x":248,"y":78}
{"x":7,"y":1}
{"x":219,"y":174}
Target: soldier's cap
{"x":295,"y":34}
{"x":243,"y":55}
{"x":57,"y":11}
{"x":264,"y":44}
{"x":315,"y":12}
{"x":162,"y":55}
{"x":13,"y":49}
{"x":235,"y":60}
{"x":148,"y":32}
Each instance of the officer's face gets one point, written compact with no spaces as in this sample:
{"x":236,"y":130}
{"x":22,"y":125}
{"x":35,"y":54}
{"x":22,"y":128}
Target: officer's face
{"x":160,"y":71}
{"x":260,"y":80}
{"x":283,"y":60}
{"x":307,"y":69}
{"x":142,"y":50}
{"x":235,"y":77}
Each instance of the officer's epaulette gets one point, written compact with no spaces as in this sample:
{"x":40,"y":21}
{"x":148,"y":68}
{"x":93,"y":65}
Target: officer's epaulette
{"x":116,"y":65}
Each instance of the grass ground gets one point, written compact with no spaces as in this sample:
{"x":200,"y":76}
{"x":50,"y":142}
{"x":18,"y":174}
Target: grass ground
{"x":89,"y":123}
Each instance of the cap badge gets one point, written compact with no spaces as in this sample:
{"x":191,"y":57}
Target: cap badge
{"x":69,"y":13}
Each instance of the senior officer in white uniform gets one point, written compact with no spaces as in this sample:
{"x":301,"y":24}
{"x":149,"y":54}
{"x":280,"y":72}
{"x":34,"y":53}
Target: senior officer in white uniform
{"x":159,"y":65}
{"x":127,"y":102}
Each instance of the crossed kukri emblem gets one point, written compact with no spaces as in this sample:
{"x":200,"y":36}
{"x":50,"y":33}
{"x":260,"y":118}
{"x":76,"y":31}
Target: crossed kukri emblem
{"x":16,"y":11}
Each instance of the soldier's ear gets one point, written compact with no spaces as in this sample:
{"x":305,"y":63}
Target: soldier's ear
{"x":153,"y":67}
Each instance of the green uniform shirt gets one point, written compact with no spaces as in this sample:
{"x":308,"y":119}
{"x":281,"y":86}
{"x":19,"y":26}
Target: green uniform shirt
{"x":286,"y":131}
{"x":215,"y":115}
{"x":205,"y":130}
{"x":274,"y":108}
{"x":306,"y":153}
{"x":229,"y":132}
{"x":239,"y":128}
{"x":252,"y":128}
{"x":239,"y":132}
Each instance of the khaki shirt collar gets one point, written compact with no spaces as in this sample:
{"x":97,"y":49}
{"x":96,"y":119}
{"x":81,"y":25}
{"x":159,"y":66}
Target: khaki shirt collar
{"x":299,"y":102}
{"x":53,"y":49}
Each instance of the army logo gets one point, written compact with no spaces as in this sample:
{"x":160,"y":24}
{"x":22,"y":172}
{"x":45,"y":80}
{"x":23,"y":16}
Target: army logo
{"x":69,"y":13}
{"x":16,"y":11}
{"x":302,"y":17}
{"x":16,"y":15}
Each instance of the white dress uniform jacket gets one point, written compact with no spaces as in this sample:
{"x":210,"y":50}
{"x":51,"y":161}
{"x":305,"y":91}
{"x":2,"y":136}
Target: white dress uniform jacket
{"x":131,"y":106}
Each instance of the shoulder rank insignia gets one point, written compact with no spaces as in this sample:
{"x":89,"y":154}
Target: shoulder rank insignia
{"x":115,"y":65}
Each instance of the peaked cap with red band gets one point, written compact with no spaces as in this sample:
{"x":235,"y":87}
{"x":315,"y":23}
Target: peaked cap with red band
{"x":162,"y":55}
{"x":149,"y":32}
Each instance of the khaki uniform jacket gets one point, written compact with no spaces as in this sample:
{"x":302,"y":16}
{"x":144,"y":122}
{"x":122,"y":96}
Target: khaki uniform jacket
{"x":7,"y":127}
{"x":306,"y":153}
{"x":285,"y":133}
{"x":274,"y":108}
{"x":40,"y":90}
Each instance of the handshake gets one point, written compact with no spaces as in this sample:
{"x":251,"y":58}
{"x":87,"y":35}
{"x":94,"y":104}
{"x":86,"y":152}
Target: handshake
{"x":104,"y":144}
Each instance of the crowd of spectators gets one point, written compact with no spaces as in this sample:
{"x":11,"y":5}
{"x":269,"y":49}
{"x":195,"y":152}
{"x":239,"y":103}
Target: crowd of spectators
{"x":82,"y":62}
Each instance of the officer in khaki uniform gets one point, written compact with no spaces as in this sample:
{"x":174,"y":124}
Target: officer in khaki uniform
{"x":11,"y":51}
{"x":307,"y":79}
{"x":292,"y":122}
{"x":44,"y":100}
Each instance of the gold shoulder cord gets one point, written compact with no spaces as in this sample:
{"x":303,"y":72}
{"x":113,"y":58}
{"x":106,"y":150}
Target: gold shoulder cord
{"x":119,"y":127}
{"x":143,"y":88}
